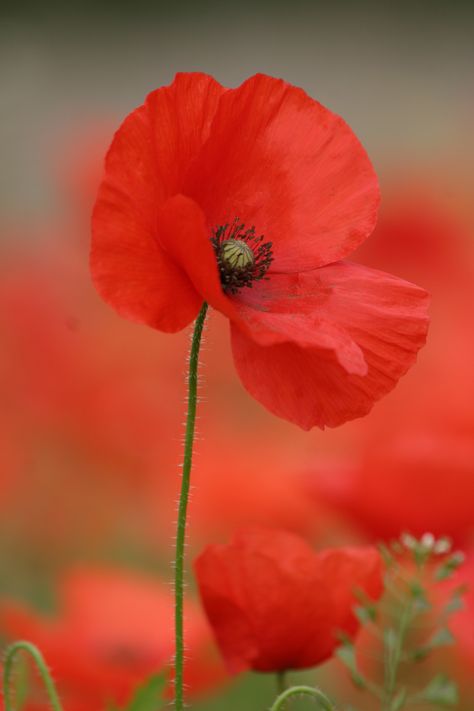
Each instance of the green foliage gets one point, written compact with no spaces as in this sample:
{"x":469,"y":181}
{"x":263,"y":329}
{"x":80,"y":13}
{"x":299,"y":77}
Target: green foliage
{"x":440,"y":638}
{"x":149,"y":696}
{"x":408,"y":622}
{"x":447,"y":568}
{"x":399,"y":700}
{"x":346,"y":654}
{"x":441,"y":691}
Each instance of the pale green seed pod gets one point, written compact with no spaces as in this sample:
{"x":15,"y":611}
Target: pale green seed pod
{"x":236,"y":255}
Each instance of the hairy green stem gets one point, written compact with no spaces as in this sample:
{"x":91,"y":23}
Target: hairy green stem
{"x":183,"y":506}
{"x":323,"y":700}
{"x":10,"y":654}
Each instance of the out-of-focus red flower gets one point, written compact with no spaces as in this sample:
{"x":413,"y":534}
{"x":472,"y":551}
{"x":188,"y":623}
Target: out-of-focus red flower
{"x":275,"y":604}
{"x":209,"y":191}
{"x":237,"y":481}
{"x":412,"y":481}
{"x":54,"y":371}
{"x":80,"y":419}
{"x":419,"y":234}
{"x":67,"y":705}
{"x":10,"y":459}
{"x":114,"y":629}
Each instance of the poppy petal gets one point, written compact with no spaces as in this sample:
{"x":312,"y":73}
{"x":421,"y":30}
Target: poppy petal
{"x":384,"y":315}
{"x":135,"y":276}
{"x":185,"y":238}
{"x":144,"y":166}
{"x":281,"y":161}
{"x":180,"y":118}
{"x":307,"y":330}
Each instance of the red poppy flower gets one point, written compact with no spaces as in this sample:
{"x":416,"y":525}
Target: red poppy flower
{"x":97,"y":653}
{"x":417,"y":482}
{"x":275,"y":604}
{"x":249,"y":199}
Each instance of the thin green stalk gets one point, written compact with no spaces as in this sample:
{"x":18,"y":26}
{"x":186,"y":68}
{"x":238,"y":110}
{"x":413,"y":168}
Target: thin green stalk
{"x":183,"y":506}
{"x":323,"y":700}
{"x":395,"y":658}
{"x":38,"y":659}
{"x":281,"y":682}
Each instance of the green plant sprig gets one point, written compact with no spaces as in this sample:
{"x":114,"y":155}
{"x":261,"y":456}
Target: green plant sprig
{"x":414,"y":568}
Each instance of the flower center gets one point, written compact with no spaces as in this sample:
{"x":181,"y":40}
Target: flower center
{"x":236,"y":255}
{"x":242,"y":257}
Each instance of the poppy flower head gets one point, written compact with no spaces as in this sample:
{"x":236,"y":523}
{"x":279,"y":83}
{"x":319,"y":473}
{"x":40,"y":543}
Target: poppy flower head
{"x":251,"y":199}
{"x":274,"y":604}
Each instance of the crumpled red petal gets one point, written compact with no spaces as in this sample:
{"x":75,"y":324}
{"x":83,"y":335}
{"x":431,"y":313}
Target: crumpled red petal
{"x":385,"y":316}
{"x":281,"y":161}
{"x":306,"y":330}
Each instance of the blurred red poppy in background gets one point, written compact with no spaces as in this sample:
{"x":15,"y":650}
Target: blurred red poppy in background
{"x":67,"y":705}
{"x":237,"y":481}
{"x":113,"y":630}
{"x":316,"y":340}
{"x":419,"y":233}
{"x":275,"y":604}
{"x":413,"y":481}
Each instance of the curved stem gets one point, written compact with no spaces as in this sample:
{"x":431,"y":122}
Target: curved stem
{"x":38,"y":659}
{"x":323,"y":700}
{"x":183,"y":505}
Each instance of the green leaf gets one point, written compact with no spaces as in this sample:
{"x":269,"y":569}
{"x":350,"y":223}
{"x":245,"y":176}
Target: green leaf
{"x":441,"y":691}
{"x":344,"y":638}
{"x":399,"y":701}
{"x":443,"y":637}
{"x":365,"y":613}
{"x":419,"y":596}
{"x":454,"y":605}
{"x":149,"y":696}
{"x":456,"y":602}
{"x":417,"y":590}
{"x":447,"y":568}
{"x":346,"y":654}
